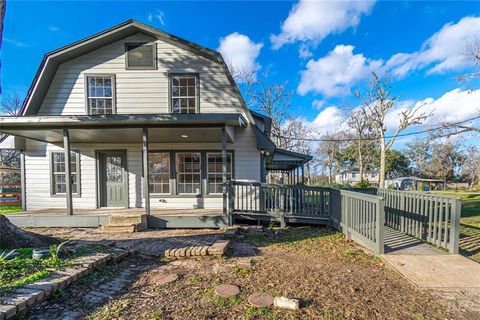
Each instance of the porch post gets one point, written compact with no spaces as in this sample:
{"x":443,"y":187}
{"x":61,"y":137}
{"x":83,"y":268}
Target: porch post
{"x":224,"y":169}
{"x":146,"y":191}
{"x":22,"y":180}
{"x":68,"y":171}
{"x":303,"y":174}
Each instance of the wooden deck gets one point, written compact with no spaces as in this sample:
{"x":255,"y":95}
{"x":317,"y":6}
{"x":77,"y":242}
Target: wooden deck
{"x":158,"y":218}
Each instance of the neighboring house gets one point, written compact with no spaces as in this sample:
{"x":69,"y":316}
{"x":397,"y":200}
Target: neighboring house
{"x":153,"y":121}
{"x":414,"y":183}
{"x":352,"y":176}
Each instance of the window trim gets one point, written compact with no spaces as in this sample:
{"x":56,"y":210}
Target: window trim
{"x":169,"y":173}
{"x":197,"y":89}
{"x":207,"y":171}
{"x":203,"y":173}
{"x":114,"y":90}
{"x":78,"y":173}
{"x":154,"y":53}
{"x":200,"y":173}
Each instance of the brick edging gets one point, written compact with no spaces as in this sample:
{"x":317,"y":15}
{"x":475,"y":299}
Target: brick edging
{"x":29,"y":295}
{"x":218,"y":248}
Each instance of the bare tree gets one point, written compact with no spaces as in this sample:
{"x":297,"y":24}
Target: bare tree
{"x":274,"y":101}
{"x":328,"y":150}
{"x":376,"y":104}
{"x":451,"y":128}
{"x":11,"y":105}
{"x":246,"y":81}
{"x":471,"y":166}
{"x":362,"y":128}
{"x":294,"y":133}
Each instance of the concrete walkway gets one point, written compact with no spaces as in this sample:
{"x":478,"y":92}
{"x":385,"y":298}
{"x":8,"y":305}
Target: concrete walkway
{"x":449,"y":276}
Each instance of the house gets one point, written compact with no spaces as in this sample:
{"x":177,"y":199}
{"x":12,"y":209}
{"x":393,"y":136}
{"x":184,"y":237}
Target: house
{"x":352,"y":176}
{"x":133,"y":118}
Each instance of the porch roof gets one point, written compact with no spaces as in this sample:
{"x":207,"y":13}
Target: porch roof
{"x":286,"y":160}
{"x":123,"y":128}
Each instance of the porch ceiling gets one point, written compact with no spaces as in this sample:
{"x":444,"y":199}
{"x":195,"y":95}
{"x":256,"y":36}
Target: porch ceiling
{"x":129,"y":135}
{"x":184,"y":128}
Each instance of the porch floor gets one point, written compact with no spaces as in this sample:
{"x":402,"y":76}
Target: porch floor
{"x":121,"y":211}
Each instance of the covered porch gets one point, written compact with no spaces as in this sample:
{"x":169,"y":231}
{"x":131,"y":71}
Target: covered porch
{"x":286,"y":167}
{"x":185,"y":131}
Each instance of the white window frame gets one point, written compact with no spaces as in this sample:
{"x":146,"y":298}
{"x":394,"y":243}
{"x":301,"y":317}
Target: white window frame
{"x":178,"y":174}
{"x":151,"y":183}
{"x":88,"y":97}
{"x":54,"y":173}
{"x":218,"y":173}
{"x":196,"y":96}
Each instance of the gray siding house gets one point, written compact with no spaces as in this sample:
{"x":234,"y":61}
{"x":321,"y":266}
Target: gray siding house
{"x":137,"y":118}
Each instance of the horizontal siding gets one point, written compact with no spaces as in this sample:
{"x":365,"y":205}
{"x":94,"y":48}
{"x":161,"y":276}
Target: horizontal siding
{"x":37,"y":157}
{"x":138,"y":91}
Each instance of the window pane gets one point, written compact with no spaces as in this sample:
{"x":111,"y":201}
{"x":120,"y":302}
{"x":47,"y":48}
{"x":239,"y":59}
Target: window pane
{"x":114,"y":170}
{"x":58,"y":172}
{"x":140,"y":56}
{"x":188,"y":167}
{"x":215,"y":171}
{"x":184,"y":88}
{"x":159,"y":172}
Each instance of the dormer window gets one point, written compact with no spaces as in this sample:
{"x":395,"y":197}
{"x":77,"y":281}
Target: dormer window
{"x":140,"y":56}
{"x":184,"y":93}
{"x":100,"y":94}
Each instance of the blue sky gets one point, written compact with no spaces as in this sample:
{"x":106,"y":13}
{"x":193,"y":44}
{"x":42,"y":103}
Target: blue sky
{"x":323,"y":50}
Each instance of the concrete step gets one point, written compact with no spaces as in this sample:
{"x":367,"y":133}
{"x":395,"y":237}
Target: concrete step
{"x":117,"y":219}
{"x":122,"y":228}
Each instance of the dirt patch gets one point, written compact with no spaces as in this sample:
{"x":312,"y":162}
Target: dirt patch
{"x":331,"y":276}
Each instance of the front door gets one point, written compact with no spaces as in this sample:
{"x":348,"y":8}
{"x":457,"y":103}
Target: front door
{"x":113,"y":179}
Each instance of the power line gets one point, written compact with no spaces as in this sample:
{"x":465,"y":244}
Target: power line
{"x":443,"y":127}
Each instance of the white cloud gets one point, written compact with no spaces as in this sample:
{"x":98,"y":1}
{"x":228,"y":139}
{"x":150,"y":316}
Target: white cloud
{"x":443,"y":51}
{"x":16,"y":43}
{"x":304,"y":51}
{"x":329,"y":120}
{"x":240,"y":52}
{"x":318,"y":104}
{"x":314,"y":20}
{"x":334,"y":74}
{"x":53,"y":28}
{"x":465,"y":103}
{"x":158,"y":15}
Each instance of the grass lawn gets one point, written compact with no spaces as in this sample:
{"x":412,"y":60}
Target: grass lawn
{"x":470,"y":220}
{"x":10,"y":209}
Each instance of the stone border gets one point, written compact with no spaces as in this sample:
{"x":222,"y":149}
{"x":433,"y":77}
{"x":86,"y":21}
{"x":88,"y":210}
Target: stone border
{"x":29,"y":295}
{"x":218,"y":248}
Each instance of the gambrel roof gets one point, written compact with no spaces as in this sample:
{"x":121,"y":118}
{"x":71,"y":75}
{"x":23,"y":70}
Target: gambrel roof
{"x":53,"y":59}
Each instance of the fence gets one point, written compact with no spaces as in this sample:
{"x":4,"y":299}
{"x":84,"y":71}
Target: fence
{"x":359,"y":213}
{"x":10,"y":194}
{"x":435,"y":219}
{"x":360,"y":217}
{"x":254,"y":198}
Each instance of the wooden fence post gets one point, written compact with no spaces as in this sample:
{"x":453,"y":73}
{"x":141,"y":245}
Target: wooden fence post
{"x":455,"y":226}
{"x":379,"y":230}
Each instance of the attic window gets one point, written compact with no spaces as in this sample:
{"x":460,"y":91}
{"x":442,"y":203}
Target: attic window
{"x":140,"y":56}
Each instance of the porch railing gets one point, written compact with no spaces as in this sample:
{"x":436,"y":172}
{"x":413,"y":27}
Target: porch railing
{"x":360,"y":217}
{"x":434,"y":219}
{"x":254,"y":198}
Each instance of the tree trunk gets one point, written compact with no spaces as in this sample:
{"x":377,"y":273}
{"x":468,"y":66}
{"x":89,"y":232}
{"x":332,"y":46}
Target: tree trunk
{"x":330,"y":174}
{"x":360,"y":160}
{"x":12,"y":237}
{"x":382,"y":163}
